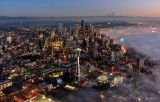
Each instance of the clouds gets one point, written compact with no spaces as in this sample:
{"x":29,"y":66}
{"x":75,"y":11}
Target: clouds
{"x":144,"y":40}
{"x":149,"y":44}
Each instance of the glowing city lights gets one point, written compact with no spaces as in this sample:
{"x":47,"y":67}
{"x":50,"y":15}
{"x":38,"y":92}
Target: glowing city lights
{"x":123,"y":48}
{"x":122,"y":39}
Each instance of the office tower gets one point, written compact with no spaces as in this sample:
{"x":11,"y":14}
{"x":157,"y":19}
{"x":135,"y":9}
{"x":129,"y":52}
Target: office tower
{"x":68,"y":32}
{"x":30,"y":47}
{"x":40,"y":43}
{"x":117,"y":55}
{"x":95,"y":45}
{"x":18,"y":38}
{"x":83,"y":31}
{"x":108,"y":41}
{"x":9,"y":39}
{"x":46,"y":43}
{"x":141,"y":62}
{"x":57,"y":45}
{"x":82,"y":23}
{"x":26,"y":49}
{"x":74,"y":44}
{"x":111,"y":42}
{"x":1,"y":48}
{"x":52,"y":34}
{"x":95,"y":54}
{"x":87,"y":42}
{"x":126,"y":59}
{"x":76,"y":30}
{"x":63,"y":55}
{"x":121,"y":53}
{"x":60,"y":28}
{"x":71,"y":32}
{"x":84,"y":44}
{"x":41,"y":39}
{"x":112,"y":56}
{"x":69,"y":52}
{"x":68,"y":43}
{"x":71,"y":38}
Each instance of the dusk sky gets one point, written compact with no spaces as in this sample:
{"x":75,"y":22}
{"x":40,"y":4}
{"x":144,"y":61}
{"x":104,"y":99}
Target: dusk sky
{"x":47,"y":8}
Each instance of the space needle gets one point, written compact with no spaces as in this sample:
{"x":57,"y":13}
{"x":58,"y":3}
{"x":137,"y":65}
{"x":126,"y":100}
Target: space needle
{"x":78,"y":50}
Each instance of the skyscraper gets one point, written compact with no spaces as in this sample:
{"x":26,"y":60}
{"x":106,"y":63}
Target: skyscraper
{"x":141,"y":62}
{"x":112,"y":56}
{"x":60,"y":28}
{"x":82,"y":23}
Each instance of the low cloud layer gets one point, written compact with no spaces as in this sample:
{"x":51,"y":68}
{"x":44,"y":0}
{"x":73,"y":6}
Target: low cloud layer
{"x":144,"y":40}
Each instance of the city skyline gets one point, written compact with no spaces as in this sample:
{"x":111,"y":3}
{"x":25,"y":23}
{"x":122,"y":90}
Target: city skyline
{"x":52,"y":8}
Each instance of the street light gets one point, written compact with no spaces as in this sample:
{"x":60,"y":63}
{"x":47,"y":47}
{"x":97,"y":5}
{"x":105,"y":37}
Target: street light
{"x":78,"y":50}
{"x":43,"y":97}
{"x":49,"y":100}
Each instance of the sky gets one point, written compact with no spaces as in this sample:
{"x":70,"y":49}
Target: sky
{"x":48,"y":8}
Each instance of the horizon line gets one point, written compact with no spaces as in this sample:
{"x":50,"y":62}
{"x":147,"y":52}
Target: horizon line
{"x":81,"y":16}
